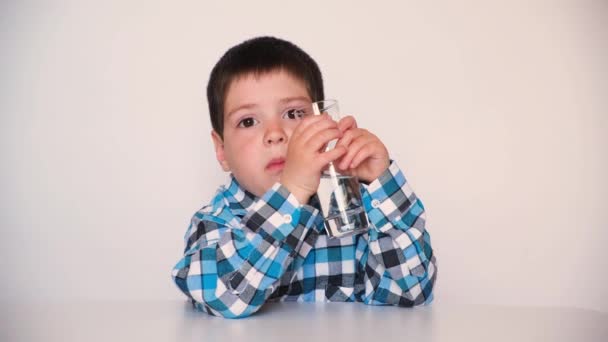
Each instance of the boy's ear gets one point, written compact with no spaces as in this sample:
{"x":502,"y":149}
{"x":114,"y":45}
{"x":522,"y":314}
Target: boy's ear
{"x":219,"y":150}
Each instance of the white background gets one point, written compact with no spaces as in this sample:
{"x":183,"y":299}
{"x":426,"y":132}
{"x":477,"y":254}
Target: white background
{"x":497,"y":112}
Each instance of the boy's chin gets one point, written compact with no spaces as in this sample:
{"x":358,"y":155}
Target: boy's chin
{"x":275,"y":178}
{"x":274,"y":170}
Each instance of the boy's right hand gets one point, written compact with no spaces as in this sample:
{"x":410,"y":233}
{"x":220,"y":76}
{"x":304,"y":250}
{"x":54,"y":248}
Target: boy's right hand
{"x":306,"y":157}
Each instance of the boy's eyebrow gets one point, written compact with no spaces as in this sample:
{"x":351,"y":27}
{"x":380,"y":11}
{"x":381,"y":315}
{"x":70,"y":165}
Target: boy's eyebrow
{"x":295,"y":98}
{"x":244,"y":106}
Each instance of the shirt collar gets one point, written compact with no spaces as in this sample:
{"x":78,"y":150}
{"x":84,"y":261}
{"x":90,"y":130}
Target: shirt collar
{"x":239,"y":199}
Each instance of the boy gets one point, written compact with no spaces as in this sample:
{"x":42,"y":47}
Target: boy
{"x":262,"y":237}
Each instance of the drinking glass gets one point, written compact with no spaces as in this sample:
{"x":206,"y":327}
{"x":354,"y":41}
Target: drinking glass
{"x":339,"y":194}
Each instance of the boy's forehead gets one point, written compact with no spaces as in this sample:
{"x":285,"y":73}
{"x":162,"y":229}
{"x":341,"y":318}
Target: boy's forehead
{"x":255,"y":86}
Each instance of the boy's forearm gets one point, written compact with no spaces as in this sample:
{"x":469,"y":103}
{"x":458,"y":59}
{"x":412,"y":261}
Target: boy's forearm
{"x":302,"y":195}
{"x":234,"y":275}
{"x":281,"y":217}
{"x":399,"y":247}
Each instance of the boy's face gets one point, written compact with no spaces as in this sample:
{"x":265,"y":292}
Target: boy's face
{"x":259,"y":119}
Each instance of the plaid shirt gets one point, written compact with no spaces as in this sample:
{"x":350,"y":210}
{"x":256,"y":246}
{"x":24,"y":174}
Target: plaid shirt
{"x":242,"y":251}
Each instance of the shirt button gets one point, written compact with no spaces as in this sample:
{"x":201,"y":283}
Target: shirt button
{"x":375,"y":203}
{"x":287,"y":218}
{"x":398,"y":218}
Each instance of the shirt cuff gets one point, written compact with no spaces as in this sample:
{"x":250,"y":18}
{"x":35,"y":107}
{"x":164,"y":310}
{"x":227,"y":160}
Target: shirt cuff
{"x":280,"y":218}
{"x":388,"y":198}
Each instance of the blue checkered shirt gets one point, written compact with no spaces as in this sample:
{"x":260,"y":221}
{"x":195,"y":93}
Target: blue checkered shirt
{"x":243,"y":251}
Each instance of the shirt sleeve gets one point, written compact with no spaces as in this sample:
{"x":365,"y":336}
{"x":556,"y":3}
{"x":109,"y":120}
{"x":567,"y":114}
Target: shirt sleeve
{"x":231,"y":267}
{"x":396,"y":263}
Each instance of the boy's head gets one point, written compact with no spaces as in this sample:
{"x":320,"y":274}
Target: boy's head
{"x":258,"y":92}
{"x":258,"y":56}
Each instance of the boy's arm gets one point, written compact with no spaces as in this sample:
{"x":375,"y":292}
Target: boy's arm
{"x":396,"y":260}
{"x":396,"y":264}
{"x":229,"y":267}
{"x":232,"y":268}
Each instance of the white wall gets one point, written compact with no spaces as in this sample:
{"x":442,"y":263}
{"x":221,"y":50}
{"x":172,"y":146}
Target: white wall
{"x":497,"y":113}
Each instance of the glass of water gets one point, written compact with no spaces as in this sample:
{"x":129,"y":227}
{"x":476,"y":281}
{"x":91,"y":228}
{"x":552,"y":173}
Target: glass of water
{"x":339,"y":195}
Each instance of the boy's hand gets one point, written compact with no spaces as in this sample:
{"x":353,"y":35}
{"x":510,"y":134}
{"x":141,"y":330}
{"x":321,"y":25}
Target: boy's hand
{"x":367,"y":157}
{"x":306,"y":156}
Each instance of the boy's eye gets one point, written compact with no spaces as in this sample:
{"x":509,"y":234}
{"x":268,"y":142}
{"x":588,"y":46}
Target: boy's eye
{"x":295,"y":113}
{"x":247,"y":122}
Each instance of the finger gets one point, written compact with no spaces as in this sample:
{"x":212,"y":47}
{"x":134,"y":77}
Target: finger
{"x":327,"y":157}
{"x":347,"y":123}
{"x":308,"y":121}
{"x":364,"y":153}
{"x":349,"y":136}
{"x":353,"y":149}
{"x":318,"y":126}
{"x":340,"y":170}
{"x":322,"y":138}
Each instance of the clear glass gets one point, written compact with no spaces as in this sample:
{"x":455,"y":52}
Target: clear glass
{"x":339,"y":195}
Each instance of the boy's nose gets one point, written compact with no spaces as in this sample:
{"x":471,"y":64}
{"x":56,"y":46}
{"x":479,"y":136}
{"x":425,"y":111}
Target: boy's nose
{"x":275,"y":136}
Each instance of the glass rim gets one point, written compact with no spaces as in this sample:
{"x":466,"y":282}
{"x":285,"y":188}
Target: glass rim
{"x":331,"y":103}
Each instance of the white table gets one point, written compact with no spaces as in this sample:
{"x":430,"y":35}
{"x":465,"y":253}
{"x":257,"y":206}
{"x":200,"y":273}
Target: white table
{"x":178,"y":321}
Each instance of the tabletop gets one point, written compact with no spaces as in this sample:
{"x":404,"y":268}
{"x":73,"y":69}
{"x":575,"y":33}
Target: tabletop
{"x":179,"y":321}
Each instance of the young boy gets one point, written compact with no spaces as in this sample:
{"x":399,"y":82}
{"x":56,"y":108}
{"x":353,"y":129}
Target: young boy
{"x":262,"y":238}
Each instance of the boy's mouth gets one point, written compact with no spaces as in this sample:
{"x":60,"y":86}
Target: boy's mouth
{"x":275,"y":164}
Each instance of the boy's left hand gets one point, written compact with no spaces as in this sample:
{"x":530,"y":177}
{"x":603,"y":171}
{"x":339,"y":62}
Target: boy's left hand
{"x":366,"y":156}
